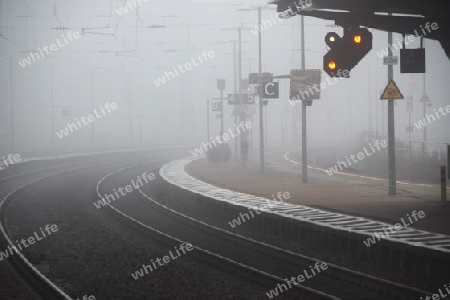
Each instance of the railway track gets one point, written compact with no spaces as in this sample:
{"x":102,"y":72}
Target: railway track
{"x":273,"y":263}
{"x":19,"y":278}
{"x":211,"y":258}
{"x":35,"y":285}
{"x":255,"y":262}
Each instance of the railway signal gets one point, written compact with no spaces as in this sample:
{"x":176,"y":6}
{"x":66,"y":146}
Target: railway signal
{"x":346,"y":51}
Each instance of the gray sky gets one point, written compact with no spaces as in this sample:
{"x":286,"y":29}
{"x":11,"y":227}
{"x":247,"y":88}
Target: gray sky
{"x":118,"y":58}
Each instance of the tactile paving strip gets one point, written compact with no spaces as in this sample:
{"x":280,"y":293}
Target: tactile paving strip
{"x":174,"y":173}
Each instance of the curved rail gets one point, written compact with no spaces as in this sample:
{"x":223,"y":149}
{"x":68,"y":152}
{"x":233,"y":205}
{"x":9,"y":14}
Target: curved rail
{"x":43,"y":286}
{"x":275,"y":278}
{"x":174,"y":173}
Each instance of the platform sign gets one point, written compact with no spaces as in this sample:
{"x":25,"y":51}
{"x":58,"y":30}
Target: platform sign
{"x":233,"y":99}
{"x":391,"y":92}
{"x":216,"y":105}
{"x":236,"y":99}
{"x":305,"y":84}
{"x":271,"y":90}
{"x":247,"y":99}
{"x":412,"y":60}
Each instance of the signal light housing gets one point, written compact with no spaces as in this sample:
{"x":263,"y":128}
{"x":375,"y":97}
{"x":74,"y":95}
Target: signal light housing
{"x":346,"y":52}
{"x":331,"y":39}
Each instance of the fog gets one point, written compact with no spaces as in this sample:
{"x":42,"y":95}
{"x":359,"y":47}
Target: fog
{"x":119,"y":58}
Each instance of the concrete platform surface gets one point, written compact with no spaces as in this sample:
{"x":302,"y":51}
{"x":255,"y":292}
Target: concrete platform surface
{"x":354,"y":195}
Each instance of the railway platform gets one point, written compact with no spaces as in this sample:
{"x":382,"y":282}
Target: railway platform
{"x":345,"y":193}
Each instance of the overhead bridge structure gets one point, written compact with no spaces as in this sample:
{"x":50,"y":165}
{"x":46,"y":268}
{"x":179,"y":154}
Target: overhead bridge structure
{"x":410,"y":16}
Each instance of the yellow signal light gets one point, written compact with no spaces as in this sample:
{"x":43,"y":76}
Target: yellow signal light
{"x":357,"y":39}
{"x":332,"y":65}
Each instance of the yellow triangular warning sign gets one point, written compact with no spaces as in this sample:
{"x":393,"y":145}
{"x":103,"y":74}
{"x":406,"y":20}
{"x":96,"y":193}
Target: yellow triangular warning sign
{"x":391,"y":92}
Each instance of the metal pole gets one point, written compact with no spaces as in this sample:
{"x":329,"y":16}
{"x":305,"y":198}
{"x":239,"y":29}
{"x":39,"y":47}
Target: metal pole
{"x":13,"y":142}
{"x":221,"y":113}
{"x":207,"y":120}
{"x":240,"y":86}
{"x":304,"y":149}
{"x":141,"y":133}
{"x":391,"y":128}
{"x":443,"y":186}
{"x":129,"y":93}
{"x":328,"y":122}
{"x":235,"y":92}
{"x":234,"y":67}
{"x":260,"y":87}
{"x":424,"y":146}
{"x":92,"y":104}
{"x":383,"y":131}
{"x":376,"y":107}
{"x":409,"y":105}
{"x":424,"y":129}
{"x":207,"y":125}
{"x":448,"y":160}
{"x":266,"y":119}
{"x":370,"y":102}
{"x":52,"y":108}
{"x":304,"y":158}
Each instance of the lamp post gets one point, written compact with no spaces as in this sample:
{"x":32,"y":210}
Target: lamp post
{"x":235,"y":83}
{"x":13,"y":142}
{"x":260,"y":88}
{"x":239,"y":29}
{"x":426,"y":102}
{"x":235,"y":86}
{"x":391,"y":128}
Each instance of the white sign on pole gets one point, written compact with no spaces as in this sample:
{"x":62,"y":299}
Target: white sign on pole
{"x":390,"y":60}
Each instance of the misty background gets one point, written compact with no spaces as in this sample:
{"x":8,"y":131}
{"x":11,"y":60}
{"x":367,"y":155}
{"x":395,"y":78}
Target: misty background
{"x":117,"y":58}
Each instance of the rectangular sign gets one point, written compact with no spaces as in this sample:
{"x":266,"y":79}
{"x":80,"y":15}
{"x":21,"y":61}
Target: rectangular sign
{"x":216,"y":105}
{"x":305,"y":84}
{"x":271,"y":90}
{"x":412,"y":60}
{"x":265,"y":77}
{"x":390,"y":60}
{"x":233,"y":99}
{"x":253,"y":78}
{"x":248,"y":99}
{"x":220,"y":84}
